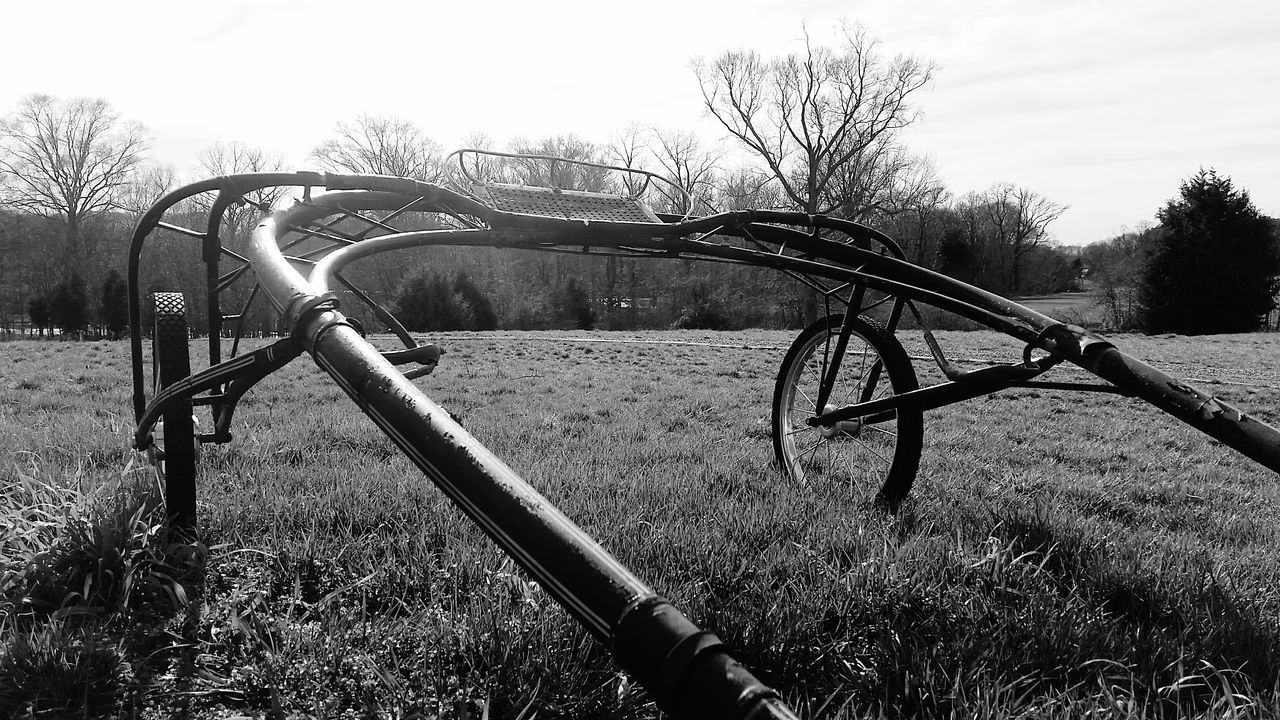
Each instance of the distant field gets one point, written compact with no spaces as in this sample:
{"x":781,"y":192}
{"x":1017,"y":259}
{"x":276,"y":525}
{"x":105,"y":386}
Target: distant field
{"x":1062,"y":555}
{"x":1067,"y":306}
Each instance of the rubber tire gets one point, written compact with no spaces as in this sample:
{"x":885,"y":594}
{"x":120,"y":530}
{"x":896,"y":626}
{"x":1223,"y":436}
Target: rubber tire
{"x":901,"y":473}
{"x":171,"y":362}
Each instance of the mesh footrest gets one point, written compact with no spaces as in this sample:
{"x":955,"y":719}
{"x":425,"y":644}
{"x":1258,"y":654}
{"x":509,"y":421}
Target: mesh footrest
{"x":567,"y":204}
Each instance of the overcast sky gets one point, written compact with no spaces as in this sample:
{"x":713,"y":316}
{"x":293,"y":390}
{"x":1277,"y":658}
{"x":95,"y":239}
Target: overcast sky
{"x":1104,"y":106}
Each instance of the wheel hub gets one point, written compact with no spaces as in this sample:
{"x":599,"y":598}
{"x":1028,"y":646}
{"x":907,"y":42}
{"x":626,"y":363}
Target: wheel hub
{"x":843,"y":427}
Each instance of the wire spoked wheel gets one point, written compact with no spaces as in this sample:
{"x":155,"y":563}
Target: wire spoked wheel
{"x":174,"y":450}
{"x":881,"y":451}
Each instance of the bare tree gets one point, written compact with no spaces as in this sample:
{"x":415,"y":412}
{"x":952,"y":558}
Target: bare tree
{"x":746,"y":188}
{"x":882,"y":182}
{"x":917,"y":186}
{"x":568,"y":176}
{"x":1020,"y":218}
{"x":380,"y":146}
{"x":149,"y":183}
{"x":916,"y":209}
{"x":69,"y":160}
{"x":624,"y":277}
{"x":809,"y":116}
{"x":1116,"y":267}
{"x":482,"y":167}
{"x":629,"y":149}
{"x":995,"y":231}
{"x":236,"y":157}
{"x":690,"y":166}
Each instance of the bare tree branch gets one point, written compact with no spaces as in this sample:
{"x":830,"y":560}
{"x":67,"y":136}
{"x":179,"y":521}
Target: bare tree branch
{"x":688,"y":166}
{"x":567,"y":176}
{"x":68,"y":159}
{"x":380,"y":146}
{"x":234,"y":158}
{"x":811,"y":116}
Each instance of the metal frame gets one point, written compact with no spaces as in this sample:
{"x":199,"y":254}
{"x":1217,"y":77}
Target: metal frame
{"x":686,"y":669}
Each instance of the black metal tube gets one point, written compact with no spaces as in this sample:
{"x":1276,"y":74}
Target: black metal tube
{"x":575,"y":570}
{"x":593,"y":586}
{"x":211,"y":253}
{"x":1249,"y":435}
{"x":976,"y":384}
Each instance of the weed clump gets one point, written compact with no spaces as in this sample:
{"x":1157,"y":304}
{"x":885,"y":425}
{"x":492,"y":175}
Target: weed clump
{"x":79,"y":573}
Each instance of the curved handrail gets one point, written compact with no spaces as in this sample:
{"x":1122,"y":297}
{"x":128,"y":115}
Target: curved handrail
{"x":150,"y":220}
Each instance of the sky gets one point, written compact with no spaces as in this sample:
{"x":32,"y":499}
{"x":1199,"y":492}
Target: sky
{"x":1102,"y":106}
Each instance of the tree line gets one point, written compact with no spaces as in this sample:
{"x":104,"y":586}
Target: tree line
{"x":817,"y":131}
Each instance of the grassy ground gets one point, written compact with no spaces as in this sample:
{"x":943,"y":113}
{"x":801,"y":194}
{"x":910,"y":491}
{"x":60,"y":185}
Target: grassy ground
{"x":1062,"y":555}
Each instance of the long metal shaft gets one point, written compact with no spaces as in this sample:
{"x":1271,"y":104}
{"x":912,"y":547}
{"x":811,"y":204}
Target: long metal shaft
{"x":688,"y":671}
{"x":1249,"y":435}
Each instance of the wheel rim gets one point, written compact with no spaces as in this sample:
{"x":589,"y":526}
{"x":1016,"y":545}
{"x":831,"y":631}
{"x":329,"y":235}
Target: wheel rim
{"x":852,"y":452}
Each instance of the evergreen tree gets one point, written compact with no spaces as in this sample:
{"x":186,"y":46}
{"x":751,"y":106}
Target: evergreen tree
{"x":426,"y":301}
{"x":1215,"y":264}
{"x":574,"y":306}
{"x":114,"y":312}
{"x":955,"y":256}
{"x":410,"y":301}
{"x":480,"y":314}
{"x":704,"y":310}
{"x":444,"y":310}
{"x":38,"y":309}
{"x":69,"y":305}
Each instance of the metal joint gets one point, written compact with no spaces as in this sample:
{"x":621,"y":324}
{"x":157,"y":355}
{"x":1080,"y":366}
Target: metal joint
{"x":1213,"y":408}
{"x":687,"y":670}
{"x":1068,"y":342}
{"x":302,"y":306}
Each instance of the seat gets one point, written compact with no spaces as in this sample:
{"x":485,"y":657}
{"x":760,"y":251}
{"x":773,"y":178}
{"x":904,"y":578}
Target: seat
{"x":554,"y":202}
{"x":565,"y":204}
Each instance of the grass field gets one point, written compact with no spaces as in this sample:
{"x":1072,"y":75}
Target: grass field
{"x":1062,"y":555}
{"x":1067,"y":305}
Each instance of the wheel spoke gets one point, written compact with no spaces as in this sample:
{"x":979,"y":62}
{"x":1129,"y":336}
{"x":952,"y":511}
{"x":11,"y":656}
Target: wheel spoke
{"x":812,"y":450}
{"x":884,"y":453}
{"x":862,"y":373}
{"x":881,"y":430}
{"x":808,"y":399}
{"x":873,"y":452}
{"x":849,"y":392}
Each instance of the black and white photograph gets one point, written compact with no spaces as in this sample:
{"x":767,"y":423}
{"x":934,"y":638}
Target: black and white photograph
{"x":726,"y":360}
